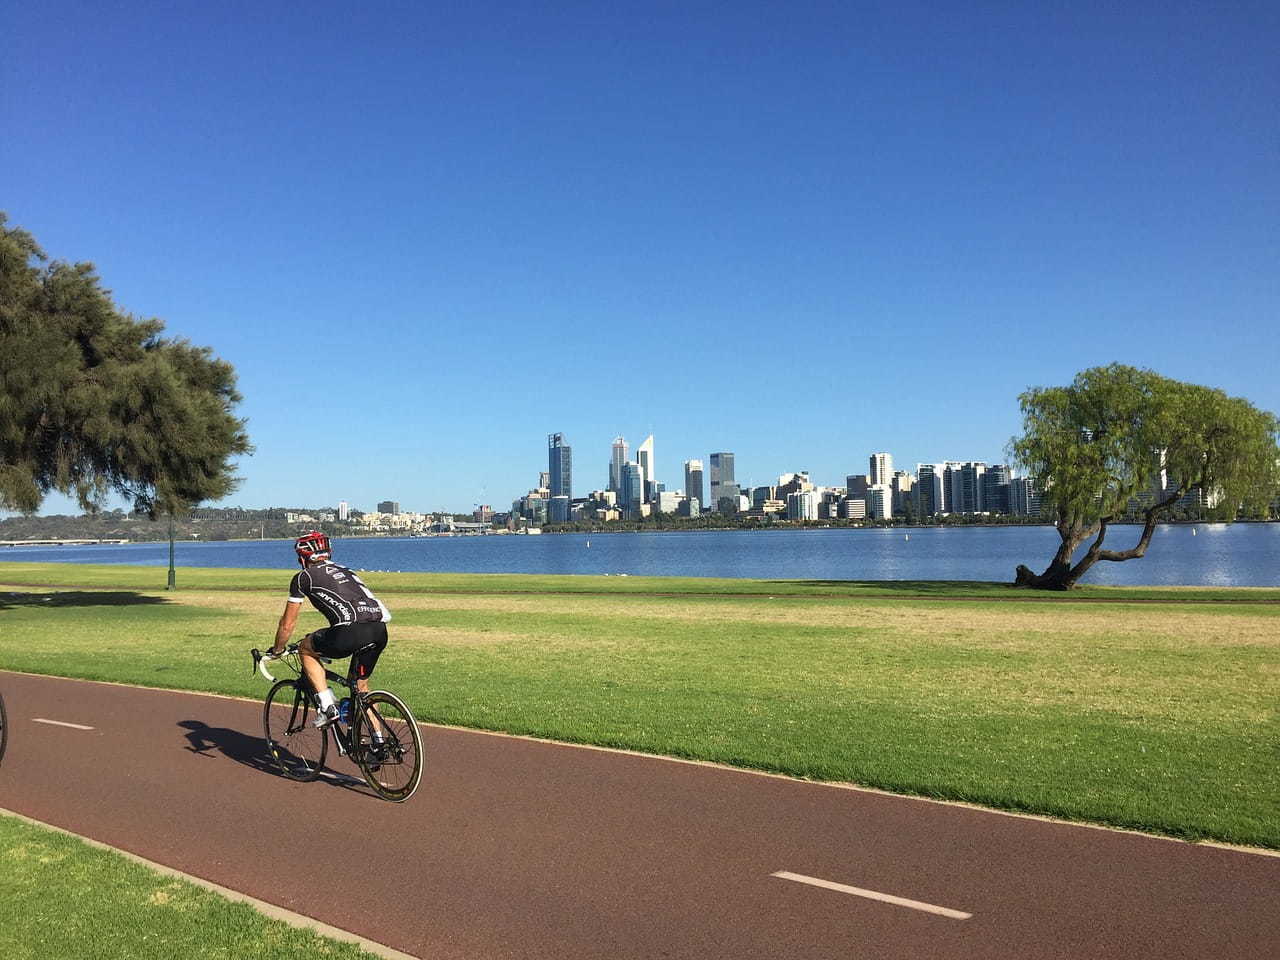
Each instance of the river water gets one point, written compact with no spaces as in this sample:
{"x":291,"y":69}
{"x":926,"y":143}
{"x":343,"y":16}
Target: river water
{"x":1242,"y":554}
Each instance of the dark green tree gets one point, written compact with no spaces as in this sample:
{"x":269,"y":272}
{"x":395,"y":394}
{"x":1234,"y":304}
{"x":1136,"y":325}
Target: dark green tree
{"x":94,"y":401}
{"x":1102,"y":445}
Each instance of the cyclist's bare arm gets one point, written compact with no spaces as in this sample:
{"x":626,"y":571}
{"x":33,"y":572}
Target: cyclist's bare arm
{"x":288,"y":620}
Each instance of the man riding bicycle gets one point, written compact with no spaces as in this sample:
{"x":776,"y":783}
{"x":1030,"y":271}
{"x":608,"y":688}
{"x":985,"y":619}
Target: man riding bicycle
{"x":356,"y":619}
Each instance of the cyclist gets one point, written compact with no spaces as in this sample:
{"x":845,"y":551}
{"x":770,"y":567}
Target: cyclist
{"x":356,"y":618}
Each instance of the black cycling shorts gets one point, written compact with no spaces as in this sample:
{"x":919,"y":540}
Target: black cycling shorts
{"x":346,"y":639}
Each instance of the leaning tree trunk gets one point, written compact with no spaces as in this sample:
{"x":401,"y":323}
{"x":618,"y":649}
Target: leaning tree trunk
{"x":1062,"y":575}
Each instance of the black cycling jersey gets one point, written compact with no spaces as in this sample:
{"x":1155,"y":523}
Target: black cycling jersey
{"x":337,"y":593}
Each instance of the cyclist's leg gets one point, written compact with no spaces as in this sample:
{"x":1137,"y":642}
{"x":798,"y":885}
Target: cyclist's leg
{"x":311,"y":666}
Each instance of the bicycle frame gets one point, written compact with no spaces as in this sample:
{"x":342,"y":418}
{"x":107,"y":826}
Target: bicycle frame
{"x":342,"y":730}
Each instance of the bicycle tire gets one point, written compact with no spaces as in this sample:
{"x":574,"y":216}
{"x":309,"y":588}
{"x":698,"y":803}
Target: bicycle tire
{"x":393,"y":774}
{"x":297,"y":746}
{"x":4,"y":729}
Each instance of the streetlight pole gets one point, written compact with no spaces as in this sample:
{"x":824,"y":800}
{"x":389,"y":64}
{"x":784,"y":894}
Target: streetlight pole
{"x":173,"y":580}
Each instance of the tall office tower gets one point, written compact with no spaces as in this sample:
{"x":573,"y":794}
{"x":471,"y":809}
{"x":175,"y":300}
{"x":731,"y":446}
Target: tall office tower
{"x":693,"y":481}
{"x":616,"y":462}
{"x":931,"y":492}
{"x":344,"y":510}
{"x":560,"y":465}
{"x":969,"y":491}
{"x":389,"y":506}
{"x":644,"y":457}
{"x":901,"y":485}
{"x":631,"y":489}
{"x":881,"y":470}
{"x":1024,"y":499}
{"x":721,"y":476}
{"x":856,"y":485}
{"x":880,"y":501}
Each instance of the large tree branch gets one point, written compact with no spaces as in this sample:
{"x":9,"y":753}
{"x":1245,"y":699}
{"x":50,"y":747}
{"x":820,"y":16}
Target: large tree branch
{"x":1149,"y":528}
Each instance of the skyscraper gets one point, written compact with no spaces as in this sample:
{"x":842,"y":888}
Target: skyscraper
{"x":344,"y":510}
{"x":721,"y":476}
{"x":644,"y":457}
{"x":631,"y":489}
{"x":560,"y":465}
{"x":693,"y":481}
{"x":881,"y":469}
{"x":616,"y":463}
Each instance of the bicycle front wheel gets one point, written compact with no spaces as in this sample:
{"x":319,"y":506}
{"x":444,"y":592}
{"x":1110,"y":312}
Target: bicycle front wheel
{"x":295,"y":743}
{"x":389,"y":747}
{"x":4,"y":729}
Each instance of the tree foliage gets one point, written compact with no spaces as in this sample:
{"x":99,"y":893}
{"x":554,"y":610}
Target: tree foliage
{"x":94,"y":401}
{"x":1119,"y":437}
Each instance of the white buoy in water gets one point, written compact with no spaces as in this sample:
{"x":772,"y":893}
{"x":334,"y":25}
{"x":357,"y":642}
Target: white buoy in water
{"x":1193,"y":531}
{"x":906,"y":536}
{"x":588,"y":544}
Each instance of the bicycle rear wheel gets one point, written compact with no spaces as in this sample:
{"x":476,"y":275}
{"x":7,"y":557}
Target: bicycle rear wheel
{"x":392,"y":766}
{"x":4,"y":729}
{"x":296,"y":745}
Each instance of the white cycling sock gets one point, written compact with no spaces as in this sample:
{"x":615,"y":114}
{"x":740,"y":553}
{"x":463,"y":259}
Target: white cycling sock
{"x":326,"y":699}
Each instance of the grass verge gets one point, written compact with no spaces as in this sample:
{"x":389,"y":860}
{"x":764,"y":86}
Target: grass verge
{"x":61,"y":897}
{"x":1142,"y":712}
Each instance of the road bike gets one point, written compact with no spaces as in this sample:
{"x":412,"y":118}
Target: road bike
{"x":375,"y":729}
{"x":4,"y":729}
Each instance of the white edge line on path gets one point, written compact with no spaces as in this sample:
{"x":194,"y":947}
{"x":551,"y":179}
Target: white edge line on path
{"x":61,"y":723}
{"x":873,"y":895}
{"x":829,"y":784}
{"x":269,"y":909}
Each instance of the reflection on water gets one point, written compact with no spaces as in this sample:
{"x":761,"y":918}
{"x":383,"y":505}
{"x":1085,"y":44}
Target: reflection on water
{"x":1241,"y":554}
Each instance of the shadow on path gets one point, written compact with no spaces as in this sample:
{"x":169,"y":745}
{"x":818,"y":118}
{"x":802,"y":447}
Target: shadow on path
{"x":79,"y":598}
{"x":253,"y":753}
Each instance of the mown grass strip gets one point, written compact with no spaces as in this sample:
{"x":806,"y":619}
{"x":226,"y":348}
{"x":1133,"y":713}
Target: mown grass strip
{"x":61,"y":897}
{"x":1154,"y":716}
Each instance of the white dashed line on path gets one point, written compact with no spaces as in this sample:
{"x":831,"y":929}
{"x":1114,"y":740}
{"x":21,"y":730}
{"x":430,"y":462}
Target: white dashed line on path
{"x":61,"y":723}
{"x":873,"y":895}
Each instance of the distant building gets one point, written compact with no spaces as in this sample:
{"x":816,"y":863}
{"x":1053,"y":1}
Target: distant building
{"x":483,"y":514}
{"x":631,"y":494}
{"x":1024,"y":499}
{"x":693,"y":480}
{"x":802,"y":506}
{"x":901,"y":485}
{"x":617,"y":459}
{"x":558,"y":509}
{"x":644,"y":457}
{"x":852,"y":508}
{"x":880,"y":501}
{"x":855,"y":485}
{"x":666,"y":501}
{"x":389,"y":506}
{"x":995,"y":488}
{"x":344,"y":511}
{"x":881,"y":471}
{"x":559,"y":466}
{"x":689,"y":507}
{"x":930,"y":491}
{"x":721,"y":479}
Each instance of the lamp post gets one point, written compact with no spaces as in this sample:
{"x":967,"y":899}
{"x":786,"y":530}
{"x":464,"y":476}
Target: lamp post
{"x":173,"y":580}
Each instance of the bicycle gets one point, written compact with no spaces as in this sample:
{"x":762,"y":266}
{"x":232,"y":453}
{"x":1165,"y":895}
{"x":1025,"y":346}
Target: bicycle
{"x":391,"y":763}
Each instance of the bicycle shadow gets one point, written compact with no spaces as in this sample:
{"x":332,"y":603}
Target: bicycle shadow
{"x":253,"y":752}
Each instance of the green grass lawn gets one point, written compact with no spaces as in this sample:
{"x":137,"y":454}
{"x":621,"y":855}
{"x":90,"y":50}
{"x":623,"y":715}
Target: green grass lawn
{"x":61,"y":897}
{"x":1136,"y":709}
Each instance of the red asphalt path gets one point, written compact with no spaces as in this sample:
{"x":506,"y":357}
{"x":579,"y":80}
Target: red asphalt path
{"x":516,"y":848}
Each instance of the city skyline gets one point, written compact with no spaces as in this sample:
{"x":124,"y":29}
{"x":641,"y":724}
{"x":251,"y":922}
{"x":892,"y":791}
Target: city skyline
{"x":787,"y":236}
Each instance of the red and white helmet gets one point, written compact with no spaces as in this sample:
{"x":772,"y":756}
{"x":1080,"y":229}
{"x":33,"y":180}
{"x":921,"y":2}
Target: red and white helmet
{"x":312,"y":546}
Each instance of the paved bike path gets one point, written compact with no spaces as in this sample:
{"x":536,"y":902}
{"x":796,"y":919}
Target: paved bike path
{"x":515,"y":848}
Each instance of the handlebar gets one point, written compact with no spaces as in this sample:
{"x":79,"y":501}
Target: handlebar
{"x":260,"y":659}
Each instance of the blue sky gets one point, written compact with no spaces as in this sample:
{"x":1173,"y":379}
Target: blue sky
{"x":428,"y":235}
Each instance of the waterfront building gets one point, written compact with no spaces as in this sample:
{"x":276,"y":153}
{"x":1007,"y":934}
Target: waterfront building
{"x":389,"y":506}
{"x":722,"y":479}
{"x":644,"y":457}
{"x":631,"y":494}
{"x":693,"y":480}
{"x":881,"y":471}
{"x":790,"y":483}
{"x":802,"y":505}
{"x":689,"y":507}
{"x":855,"y":485}
{"x":1024,"y":498}
{"x":995,"y":488}
{"x":666,"y":501}
{"x":853,"y":508}
{"x":344,"y":510}
{"x":930,"y":491}
{"x":880,"y":501}
{"x":901,"y":485}
{"x":559,"y":466}
{"x":617,"y":459}
{"x":559,"y":509}
{"x":483,"y":513}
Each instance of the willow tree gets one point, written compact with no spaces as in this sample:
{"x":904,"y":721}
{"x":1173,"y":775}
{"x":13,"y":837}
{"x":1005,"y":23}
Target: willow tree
{"x":94,"y":401}
{"x":1120,"y":439}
